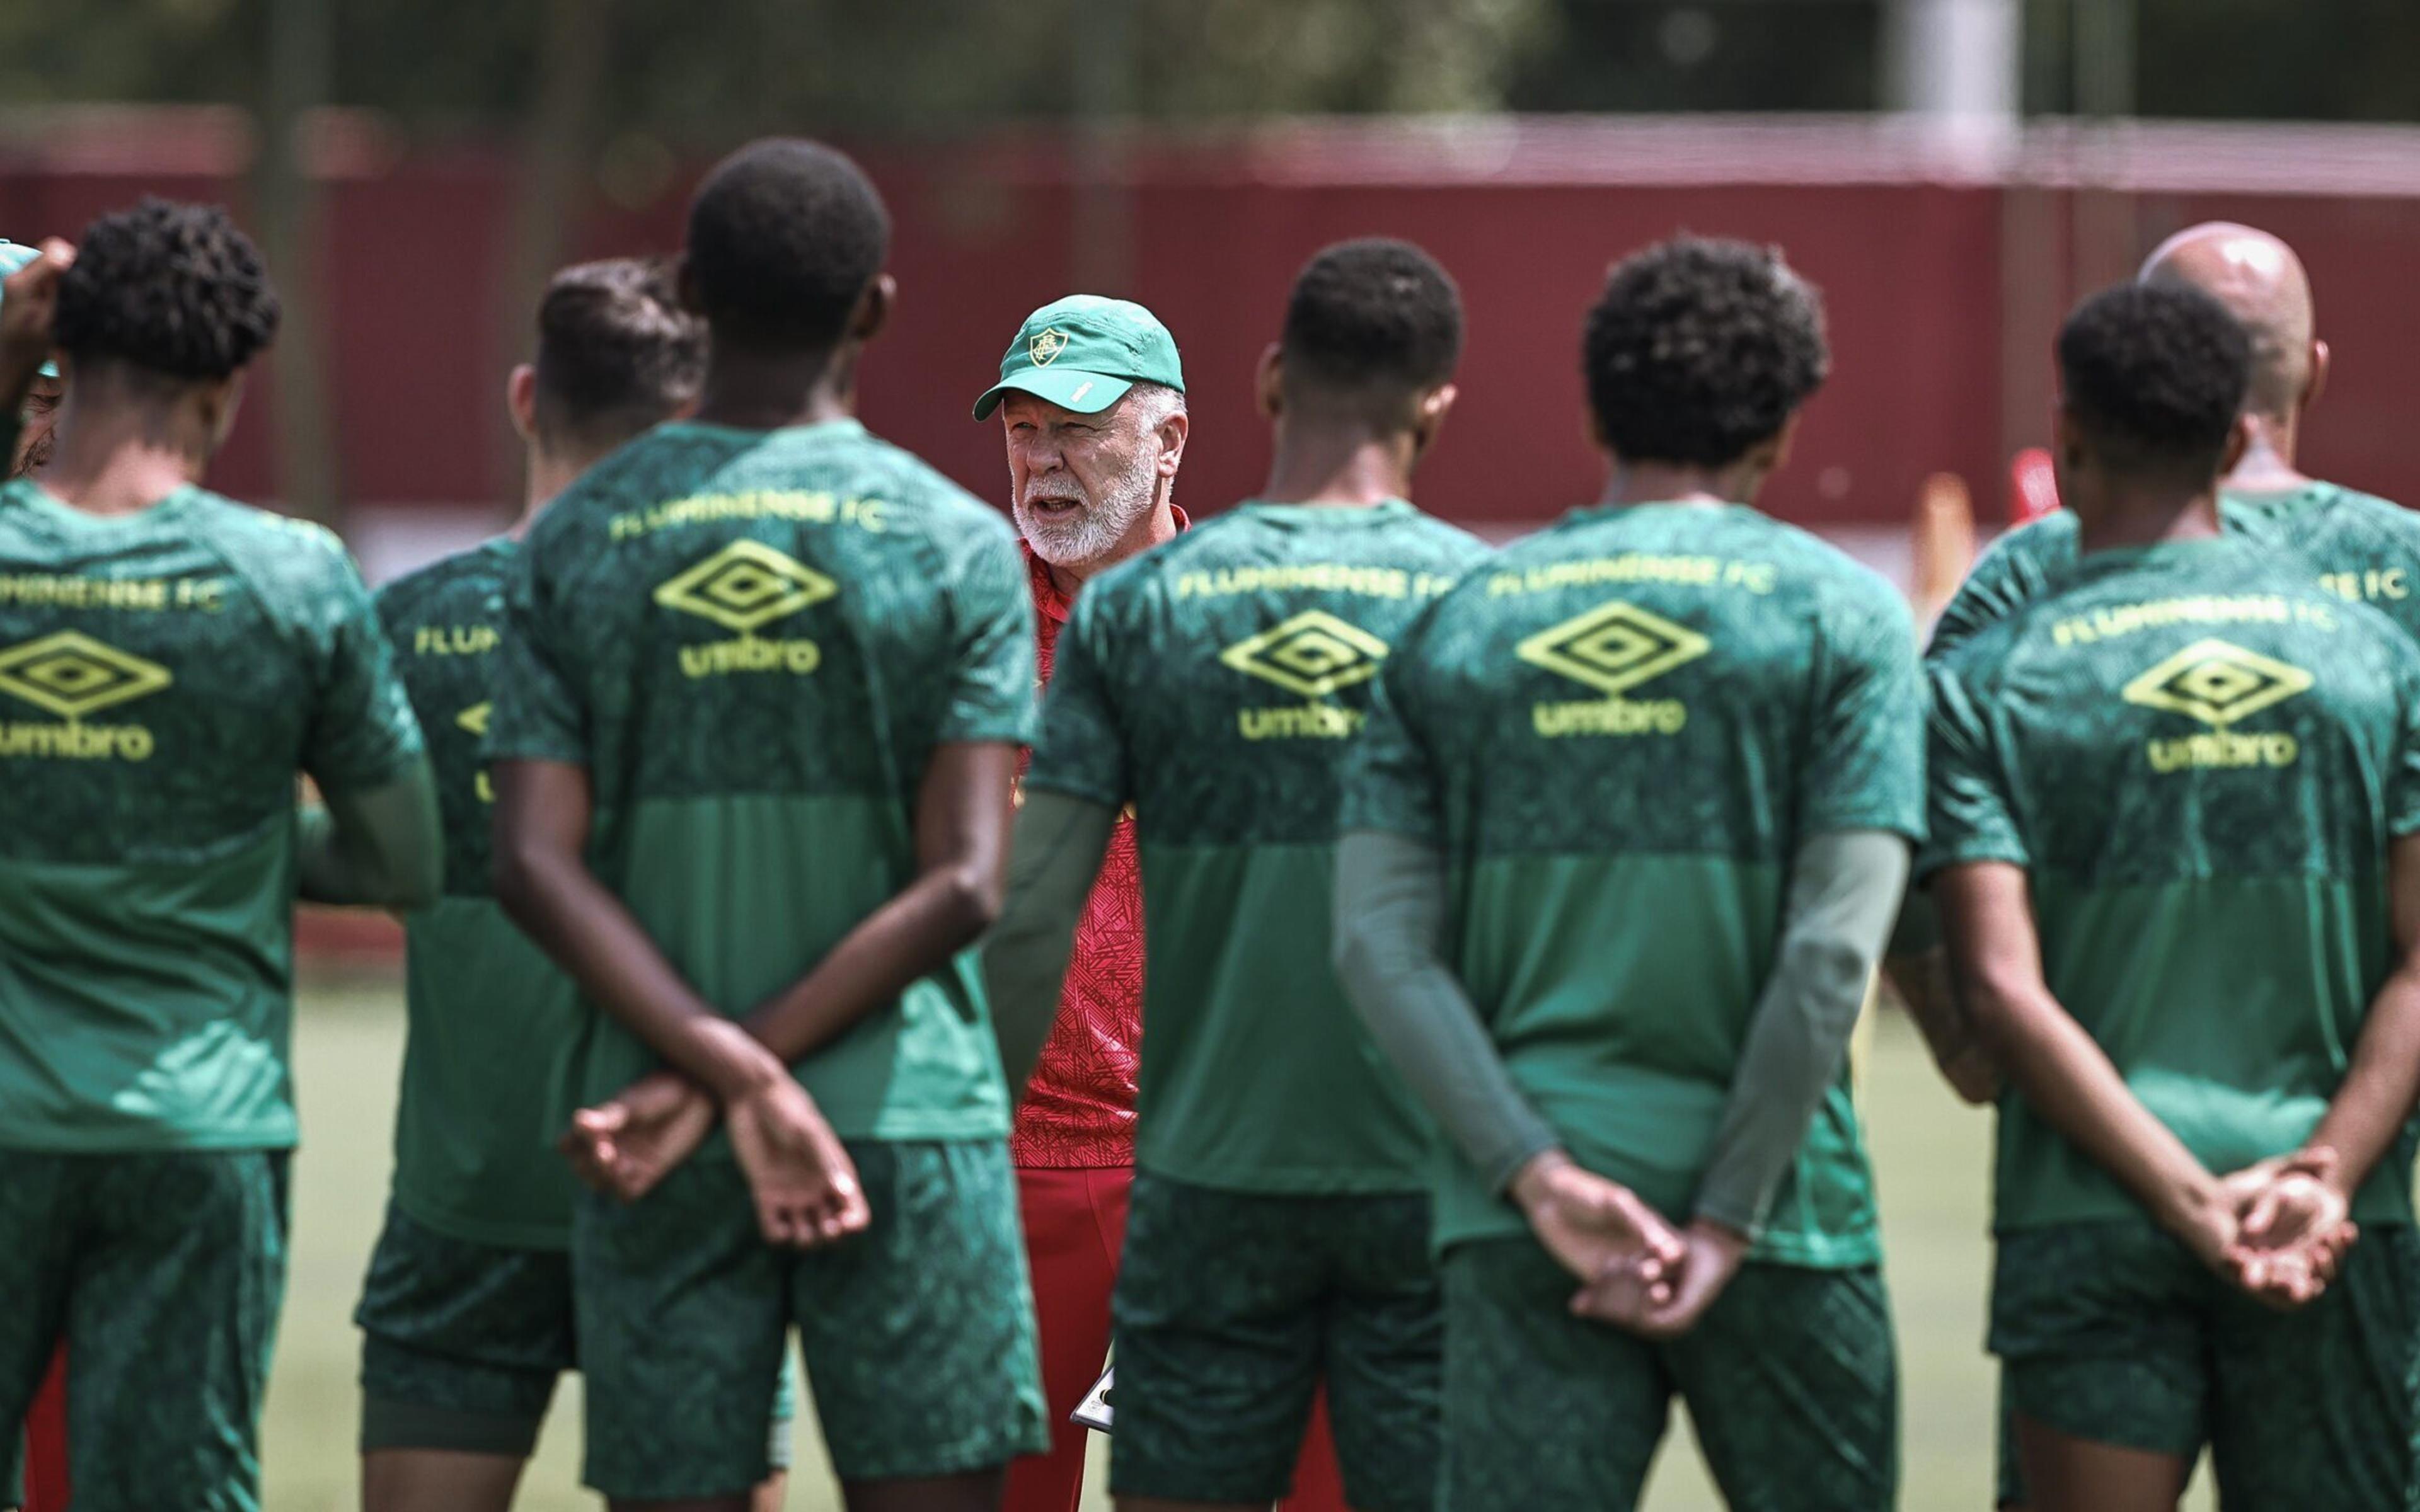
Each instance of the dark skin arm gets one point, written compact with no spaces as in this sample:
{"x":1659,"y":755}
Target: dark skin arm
{"x":1986,"y":921}
{"x":962,"y":821}
{"x":2379,"y":1090}
{"x":804,"y":1184}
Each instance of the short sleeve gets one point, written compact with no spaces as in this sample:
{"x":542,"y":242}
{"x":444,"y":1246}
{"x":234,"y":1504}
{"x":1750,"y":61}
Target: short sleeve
{"x":1865,"y":768}
{"x":1972,"y":811}
{"x":363,"y":730}
{"x":1391,"y":781}
{"x":991,"y":653}
{"x":2010,"y":574}
{"x":535,"y":712}
{"x":1082,"y":751}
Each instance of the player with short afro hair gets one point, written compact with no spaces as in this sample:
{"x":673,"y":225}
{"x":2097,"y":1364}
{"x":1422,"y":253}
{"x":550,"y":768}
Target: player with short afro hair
{"x":2154,"y":375}
{"x":783,"y":238}
{"x":1374,"y":318}
{"x":1700,"y":349}
{"x":170,"y":287}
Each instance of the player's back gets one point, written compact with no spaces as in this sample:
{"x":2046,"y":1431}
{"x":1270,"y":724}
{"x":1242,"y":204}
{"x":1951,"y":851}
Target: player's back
{"x":164,"y":676}
{"x":1218,"y":683}
{"x":2198,"y":754}
{"x":753,"y":640}
{"x":1633,"y":719}
{"x":2361,"y":547}
{"x":493,"y":1023}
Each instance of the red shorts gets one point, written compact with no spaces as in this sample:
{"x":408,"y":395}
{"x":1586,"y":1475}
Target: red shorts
{"x":1074,"y":1224}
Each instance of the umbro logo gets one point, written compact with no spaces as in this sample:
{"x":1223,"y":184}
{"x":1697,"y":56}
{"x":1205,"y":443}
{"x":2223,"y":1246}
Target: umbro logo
{"x":745,"y":585}
{"x":1613,"y":647}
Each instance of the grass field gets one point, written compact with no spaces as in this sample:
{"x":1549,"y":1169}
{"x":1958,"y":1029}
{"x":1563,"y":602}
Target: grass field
{"x":1930,"y":1150}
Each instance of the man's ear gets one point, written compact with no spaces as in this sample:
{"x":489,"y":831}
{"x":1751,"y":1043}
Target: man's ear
{"x":873,"y":310}
{"x":2319,"y":379}
{"x":1171,"y":435}
{"x":1268,"y":383}
{"x":2238,"y":441}
{"x":1428,"y":418}
{"x":521,"y":400}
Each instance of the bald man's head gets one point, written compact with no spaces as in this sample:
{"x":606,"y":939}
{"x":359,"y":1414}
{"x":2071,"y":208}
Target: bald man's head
{"x":2261,"y":283}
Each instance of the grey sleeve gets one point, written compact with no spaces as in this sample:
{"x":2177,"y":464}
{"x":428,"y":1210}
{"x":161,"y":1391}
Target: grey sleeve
{"x":1390,"y":907}
{"x":1054,"y":858}
{"x":1844,"y":897}
{"x":378,"y":847}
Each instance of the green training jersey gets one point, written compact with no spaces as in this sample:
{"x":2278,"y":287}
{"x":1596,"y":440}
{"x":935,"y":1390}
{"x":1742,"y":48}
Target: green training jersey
{"x":1619,"y":734}
{"x":753,"y":640}
{"x":494,"y":1025}
{"x":2198,"y":756}
{"x":1217,"y":683}
{"x":2363,"y":547}
{"x":163,"y":676}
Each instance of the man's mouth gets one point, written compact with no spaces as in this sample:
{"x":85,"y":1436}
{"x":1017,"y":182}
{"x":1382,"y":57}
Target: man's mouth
{"x":1053,"y":507}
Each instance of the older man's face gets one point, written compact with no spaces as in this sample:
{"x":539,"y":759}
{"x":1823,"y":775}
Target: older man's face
{"x":39,"y":437}
{"x":1080,"y":482}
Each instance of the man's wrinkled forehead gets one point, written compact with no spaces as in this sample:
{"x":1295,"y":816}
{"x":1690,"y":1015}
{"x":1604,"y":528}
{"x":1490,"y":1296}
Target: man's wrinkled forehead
{"x":1017,"y":405}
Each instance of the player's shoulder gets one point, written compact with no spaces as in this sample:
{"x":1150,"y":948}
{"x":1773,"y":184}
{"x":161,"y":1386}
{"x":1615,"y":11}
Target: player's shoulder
{"x":2383,"y":517}
{"x":298,"y":565}
{"x":473,"y":572}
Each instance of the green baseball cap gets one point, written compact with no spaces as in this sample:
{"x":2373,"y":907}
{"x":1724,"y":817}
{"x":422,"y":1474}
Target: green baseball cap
{"x":13,"y":255}
{"x":1083,"y":352}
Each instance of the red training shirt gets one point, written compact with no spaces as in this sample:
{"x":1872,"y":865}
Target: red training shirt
{"x":1078,"y":1111}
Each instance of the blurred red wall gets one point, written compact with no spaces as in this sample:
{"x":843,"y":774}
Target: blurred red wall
{"x":1942,"y":282}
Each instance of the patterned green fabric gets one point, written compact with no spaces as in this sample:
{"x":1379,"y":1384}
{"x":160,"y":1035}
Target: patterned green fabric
{"x":2363,"y":547}
{"x":163,"y":1273}
{"x":475,"y":1329}
{"x":494,"y":1026}
{"x":1218,"y":684}
{"x":2113,"y":1332}
{"x":461,"y":1343}
{"x":1791,"y":1380}
{"x":918,"y":1333}
{"x":753,"y":639}
{"x":1232,"y":1307}
{"x":163,"y":677}
{"x":2250,"y":743}
{"x":1618,"y":734}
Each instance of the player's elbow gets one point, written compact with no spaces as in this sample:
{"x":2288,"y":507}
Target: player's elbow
{"x":418,"y":881}
{"x":968,"y":900}
{"x":517,"y":871}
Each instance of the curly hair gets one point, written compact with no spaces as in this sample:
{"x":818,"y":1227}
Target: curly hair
{"x":170,"y":287}
{"x":1700,"y":349}
{"x":2154,"y":375}
{"x":1374,"y":312}
{"x":616,"y":353}
{"x":783,"y":237}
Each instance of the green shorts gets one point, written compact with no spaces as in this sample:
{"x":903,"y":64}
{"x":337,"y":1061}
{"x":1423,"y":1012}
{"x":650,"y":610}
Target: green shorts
{"x":1790,"y":1378}
{"x":2113,"y":1332}
{"x":1231,"y":1306}
{"x":462,"y":1343}
{"x":165,"y":1272}
{"x":918,"y":1333}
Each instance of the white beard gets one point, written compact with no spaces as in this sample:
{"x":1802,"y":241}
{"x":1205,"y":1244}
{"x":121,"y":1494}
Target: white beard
{"x":1096,"y":528}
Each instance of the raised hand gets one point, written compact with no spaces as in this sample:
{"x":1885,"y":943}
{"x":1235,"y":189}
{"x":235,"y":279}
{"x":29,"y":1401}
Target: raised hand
{"x":625,"y":1147}
{"x":1712,"y":1257}
{"x":806,"y":1187}
{"x":1596,"y":1229}
{"x":29,"y":304}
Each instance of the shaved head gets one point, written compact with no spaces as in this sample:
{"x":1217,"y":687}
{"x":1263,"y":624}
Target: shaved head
{"x":2261,"y":283}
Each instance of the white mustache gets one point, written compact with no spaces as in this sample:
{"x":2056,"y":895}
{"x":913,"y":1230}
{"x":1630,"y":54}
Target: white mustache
{"x":1045,"y":496}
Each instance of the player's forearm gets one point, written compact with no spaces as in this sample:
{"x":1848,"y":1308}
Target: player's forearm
{"x":1391,"y":908}
{"x":2371,"y":1107}
{"x":378,"y":847}
{"x":942,"y":912}
{"x":1920,"y":978}
{"x":1844,"y":896}
{"x":2068,"y":1080}
{"x":1054,"y":861}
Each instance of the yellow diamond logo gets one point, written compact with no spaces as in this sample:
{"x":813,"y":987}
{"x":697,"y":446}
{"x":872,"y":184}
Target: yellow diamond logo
{"x":475,"y":718}
{"x":1044,"y":346}
{"x":2217,"y":683}
{"x":1313,"y":655}
{"x":72,"y":674}
{"x":744,"y":585}
{"x":1613,"y":647}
